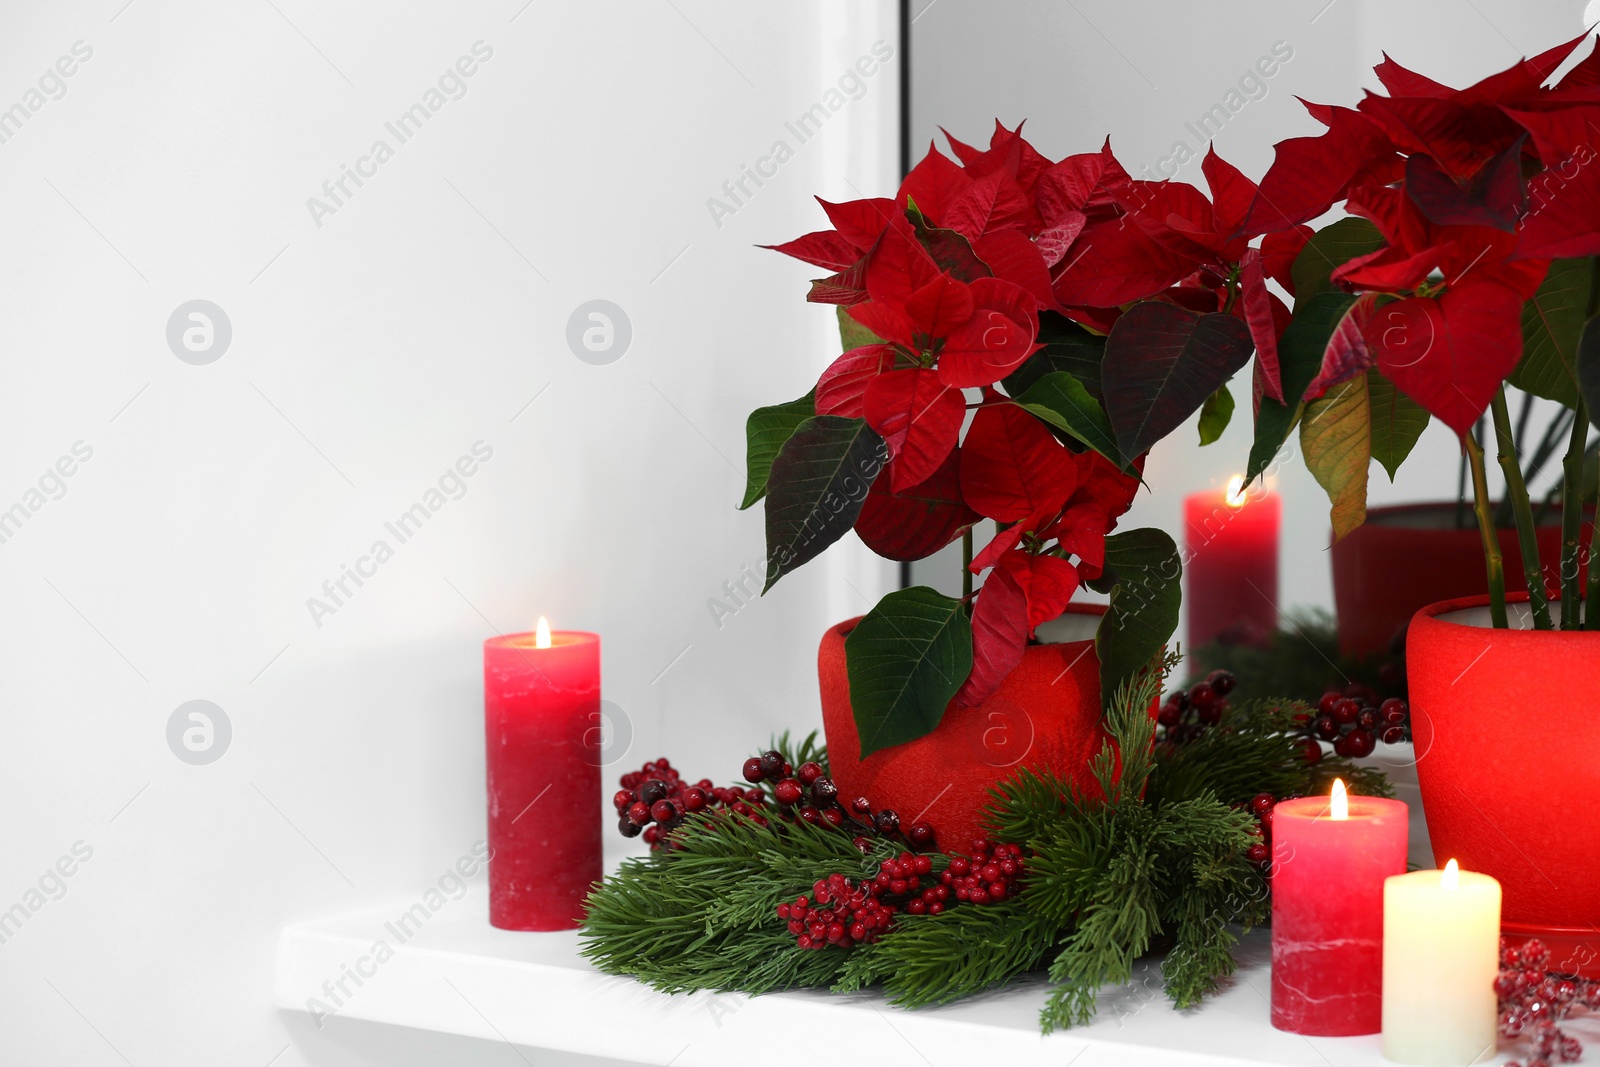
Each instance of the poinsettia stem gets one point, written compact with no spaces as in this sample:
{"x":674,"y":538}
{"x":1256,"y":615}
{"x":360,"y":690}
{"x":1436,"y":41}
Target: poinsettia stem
{"x":1572,"y":519}
{"x":1522,"y":511}
{"x":966,"y":562}
{"x":1491,"y":538}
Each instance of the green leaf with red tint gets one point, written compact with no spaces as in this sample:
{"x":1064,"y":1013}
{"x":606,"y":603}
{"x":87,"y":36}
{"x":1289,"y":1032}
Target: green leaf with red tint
{"x":816,"y":487}
{"x":1162,"y":362}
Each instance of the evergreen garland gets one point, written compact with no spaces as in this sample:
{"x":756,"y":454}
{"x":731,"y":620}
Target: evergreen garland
{"x":1152,"y":861}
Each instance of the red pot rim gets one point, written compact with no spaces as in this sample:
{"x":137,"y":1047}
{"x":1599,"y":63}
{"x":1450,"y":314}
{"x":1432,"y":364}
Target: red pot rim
{"x":1428,"y":618}
{"x":1376,"y":516}
{"x":844,"y":628}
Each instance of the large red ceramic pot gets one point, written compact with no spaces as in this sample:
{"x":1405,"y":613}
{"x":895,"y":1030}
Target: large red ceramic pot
{"x":1045,"y":714}
{"x":1508,"y":760}
{"x":1406,"y":557}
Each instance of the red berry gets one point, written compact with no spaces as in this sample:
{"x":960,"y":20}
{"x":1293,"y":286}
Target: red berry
{"x":1361,"y":743}
{"x":627,"y":827}
{"x":771,"y":763}
{"x":1310,"y":751}
{"x":623,"y":798}
{"x":639,"y":812}
{"x":920,"y":835}
{"x":823,"y":791}
{"x":786,"y":791}
{"x":1261,"y":803}
{"x":1325,"y":727}
{"x":1222,"y":681}
{"x":1258,"y":853}
{"x":1169,"y":715}
{"x":861,"y":806}
{"x":663,"y":811}
{"x":1393,"y":710}
{"x":833,"y":816}
{"x":1346,"y":710}
{"x":887,"y":822}
{"x":810,"y":772}
{"x":1367,"y":719}
{"x":1201,"y":695}
{"x":653,"y":790}
{"x":1394,"y":735}
{"x":752,"y":770}
{"x":694,"y":798}
{"x":1329,"y":699}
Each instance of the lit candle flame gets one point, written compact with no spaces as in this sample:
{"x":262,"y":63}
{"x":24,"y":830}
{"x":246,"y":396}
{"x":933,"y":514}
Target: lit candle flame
{"x":541,"y":633}
{"x":1233,"y":496}
{"x":1339,"y":805}
{"x":1451,"y":876}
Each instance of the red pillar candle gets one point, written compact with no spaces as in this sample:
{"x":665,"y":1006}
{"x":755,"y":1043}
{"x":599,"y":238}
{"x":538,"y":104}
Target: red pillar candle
{"x":1230,"y":564}
{"x":541,"y":704}
{"x":1330,"y":856}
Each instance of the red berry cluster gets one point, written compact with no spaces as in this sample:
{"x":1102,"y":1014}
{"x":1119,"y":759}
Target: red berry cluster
{"x":1354,"y":720}
{"x":1187,"y":712}
{"x":813,"y":797}
{"x":1535,"y":1001}
{"x":1261,"y":806}
{"x":843,"y":912}
{"x":988,"y":876}
{"x":654,"y":801}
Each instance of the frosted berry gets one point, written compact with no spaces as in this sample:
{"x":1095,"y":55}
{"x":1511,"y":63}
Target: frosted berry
{"x":771,"y":763}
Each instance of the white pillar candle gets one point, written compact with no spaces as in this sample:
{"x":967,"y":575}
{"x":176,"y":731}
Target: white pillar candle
{"x":1441,"y":953}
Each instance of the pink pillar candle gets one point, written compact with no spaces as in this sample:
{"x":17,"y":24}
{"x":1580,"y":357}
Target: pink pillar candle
{"x":541,"y":704}
{"x":1230,"y":564}
{"x":1327,"y":910}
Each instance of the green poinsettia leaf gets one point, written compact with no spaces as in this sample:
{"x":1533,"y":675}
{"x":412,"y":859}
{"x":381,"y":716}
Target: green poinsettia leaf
{"x":1215,"y":415}
{"x":1336,"y":437}
{"x":816,"y":487}
{"x":1065,"y":403}
{"x":1330,"y":247}
{"x":1300,"y":351}
{"x":1146,"y":594}
{"x":1551,"y":324}
{"x":1067,"y":347}
{"x":906,"y":659}
{"x":765,"y":432}
{"x":1397,"y":422}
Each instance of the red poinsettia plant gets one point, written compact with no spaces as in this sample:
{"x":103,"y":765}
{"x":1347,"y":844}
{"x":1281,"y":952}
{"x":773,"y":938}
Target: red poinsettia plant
{"x":1466,"y":262}
{"x":1019,"y":333}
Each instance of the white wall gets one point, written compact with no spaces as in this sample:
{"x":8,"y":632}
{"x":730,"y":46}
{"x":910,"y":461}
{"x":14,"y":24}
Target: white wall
{"x":1139,"y":72}
{"x":369,"y":353}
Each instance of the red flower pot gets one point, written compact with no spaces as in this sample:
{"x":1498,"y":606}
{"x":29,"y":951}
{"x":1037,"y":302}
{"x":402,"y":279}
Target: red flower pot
{"x":1406,"y":557}
{"x":1045,"y":714}
{"x":1508,"y":760}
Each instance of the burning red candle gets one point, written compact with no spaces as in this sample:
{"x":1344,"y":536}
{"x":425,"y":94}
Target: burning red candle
{"x":541,"y":705}
{"x":1230,"y":566}
{"x":1330,"y":856}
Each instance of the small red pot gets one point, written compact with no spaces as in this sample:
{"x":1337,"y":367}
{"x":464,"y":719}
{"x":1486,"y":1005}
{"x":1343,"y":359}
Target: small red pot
{"x":1406,"y":557}
{"x":1508,"y":760}
{"x":1045,"y":714}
